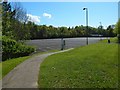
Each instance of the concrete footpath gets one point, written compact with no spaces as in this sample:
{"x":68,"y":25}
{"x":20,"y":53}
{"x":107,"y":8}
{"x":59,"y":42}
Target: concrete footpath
{"x":25,"y":75}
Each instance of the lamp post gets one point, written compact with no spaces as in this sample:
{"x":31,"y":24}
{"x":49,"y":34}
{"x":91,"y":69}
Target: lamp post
{"x":62,"y":45}
{"x":100,"y":30}
{"x":86,"y":24}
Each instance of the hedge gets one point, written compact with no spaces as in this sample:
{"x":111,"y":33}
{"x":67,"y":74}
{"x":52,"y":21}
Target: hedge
{"x":14,"y":49}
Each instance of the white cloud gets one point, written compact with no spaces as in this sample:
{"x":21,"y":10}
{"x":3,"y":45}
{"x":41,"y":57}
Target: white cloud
{"x":47,"y":15}
{"x":33,"y":18}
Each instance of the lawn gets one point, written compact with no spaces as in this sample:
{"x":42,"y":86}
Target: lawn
{"x":112,"y":40}
{"x":7,"y":66}
{"x":92,"y":66}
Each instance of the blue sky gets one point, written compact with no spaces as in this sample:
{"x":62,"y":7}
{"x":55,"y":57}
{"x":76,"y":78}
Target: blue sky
{"x":71,"y":13}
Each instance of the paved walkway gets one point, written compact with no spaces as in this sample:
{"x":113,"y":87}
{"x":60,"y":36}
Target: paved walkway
{"x":25,"y":75}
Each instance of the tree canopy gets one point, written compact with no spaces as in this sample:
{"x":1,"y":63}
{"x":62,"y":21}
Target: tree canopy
{"x":117,"y":27}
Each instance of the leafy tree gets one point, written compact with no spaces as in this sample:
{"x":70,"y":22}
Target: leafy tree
{"x":117,"y":27}
{"x":6,"y":19}
{"x":110,"y":30}
{"x":14,"y":28}
{"x":0,"y":17}
{"x":117,"y":30}
{"x":14,"y":21}
{"x":20,"y":19}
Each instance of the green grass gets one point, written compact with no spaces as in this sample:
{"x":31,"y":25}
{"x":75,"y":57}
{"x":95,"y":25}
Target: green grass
{"x":115,"y":39}
{"x":92,"y":66}
{"x":112,"y":40}
{"x":7,"y":66}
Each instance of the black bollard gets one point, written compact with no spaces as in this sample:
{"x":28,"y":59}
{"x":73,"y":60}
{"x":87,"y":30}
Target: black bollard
{"x":108,"y":40}
{"x":64,"y":43}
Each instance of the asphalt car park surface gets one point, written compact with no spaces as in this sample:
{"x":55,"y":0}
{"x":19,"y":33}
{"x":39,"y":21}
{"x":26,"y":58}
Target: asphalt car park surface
{"x":43,"y":45}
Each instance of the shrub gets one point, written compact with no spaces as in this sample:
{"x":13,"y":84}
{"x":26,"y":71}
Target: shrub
{"x":14,"y":49}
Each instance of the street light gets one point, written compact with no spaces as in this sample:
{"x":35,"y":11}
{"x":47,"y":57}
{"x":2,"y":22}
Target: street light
{"x":100,"y":31}
{"x":86,"y":24}
{"x":62,"y":41}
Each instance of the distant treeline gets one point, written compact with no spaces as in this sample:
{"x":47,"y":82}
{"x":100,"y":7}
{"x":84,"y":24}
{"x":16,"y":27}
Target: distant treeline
{"x":43,"y":31}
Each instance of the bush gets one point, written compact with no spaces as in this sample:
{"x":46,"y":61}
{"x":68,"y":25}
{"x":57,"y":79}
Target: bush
{"x":14,"y":49}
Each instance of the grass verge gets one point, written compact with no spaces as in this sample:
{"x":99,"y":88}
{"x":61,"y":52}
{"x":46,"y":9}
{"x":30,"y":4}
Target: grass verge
{"x":112,"y":40}
{"x":7,"y":66}
{"x":92,"y":66}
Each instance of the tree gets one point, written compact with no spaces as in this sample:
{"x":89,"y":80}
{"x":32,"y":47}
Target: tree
{"x":20,"y":13}
{"x":0,"y":18}
{"x":100,"y":30}
{"x":43,"y":31}
{"x":14,"y":21}
{"x":117,"y":27}
{"x":7,"y":15}
{"x":78,"y":30}
{"x":117,"y":30}
{"x":14,"y":28}
{"x":110,"y":31}
{"x":19,"y":21}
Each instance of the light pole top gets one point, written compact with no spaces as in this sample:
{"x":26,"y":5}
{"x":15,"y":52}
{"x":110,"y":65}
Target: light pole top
{"x":84,"y":8}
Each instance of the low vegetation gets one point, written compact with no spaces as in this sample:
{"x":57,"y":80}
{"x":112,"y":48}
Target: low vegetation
{"x":13,"y":49}
{"x":92,"y":66}
{"x":112,"y":40}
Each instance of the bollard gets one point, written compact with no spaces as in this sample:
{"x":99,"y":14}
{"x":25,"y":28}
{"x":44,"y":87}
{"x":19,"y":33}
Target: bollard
{"x":108,"y":40}
{"x":64,"y":44}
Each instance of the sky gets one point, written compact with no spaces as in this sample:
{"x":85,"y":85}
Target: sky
{"x":119,"y":9}
{"x":71,"y":14}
